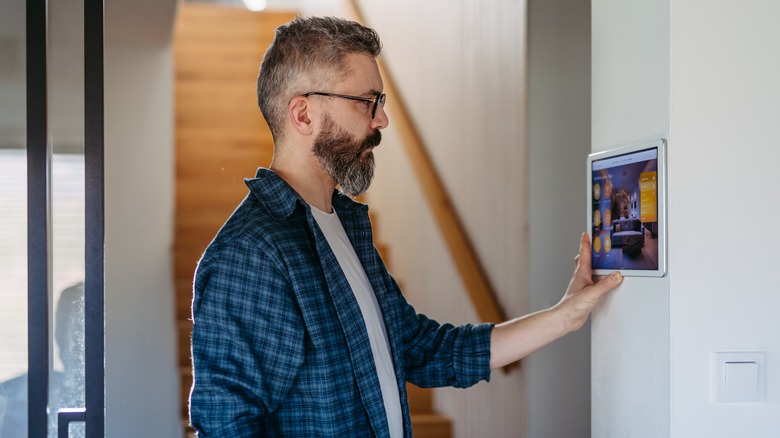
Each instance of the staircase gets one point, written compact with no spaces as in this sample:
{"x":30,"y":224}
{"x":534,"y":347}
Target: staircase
{"x":220,"y":139}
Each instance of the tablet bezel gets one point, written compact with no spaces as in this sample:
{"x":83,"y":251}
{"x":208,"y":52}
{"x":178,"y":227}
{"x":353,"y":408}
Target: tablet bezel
{"x":660,"y":146}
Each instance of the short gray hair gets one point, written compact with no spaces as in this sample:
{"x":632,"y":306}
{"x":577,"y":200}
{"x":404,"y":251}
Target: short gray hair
{"x":308,"y":54}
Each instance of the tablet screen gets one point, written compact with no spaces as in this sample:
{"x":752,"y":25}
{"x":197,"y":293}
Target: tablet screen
{"x":624,"y":213}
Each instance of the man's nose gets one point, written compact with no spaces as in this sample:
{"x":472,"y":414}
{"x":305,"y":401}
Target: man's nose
{"x":380,"y":120}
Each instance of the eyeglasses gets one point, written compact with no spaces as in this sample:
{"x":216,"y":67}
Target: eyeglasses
{"x":378,"y":100}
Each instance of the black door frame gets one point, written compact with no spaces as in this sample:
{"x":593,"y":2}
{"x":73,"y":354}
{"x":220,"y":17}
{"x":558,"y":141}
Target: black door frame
{"x":39,"y":222}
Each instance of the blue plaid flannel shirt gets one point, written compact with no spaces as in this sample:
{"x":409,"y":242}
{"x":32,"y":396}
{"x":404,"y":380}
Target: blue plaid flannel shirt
{"x":279,"y":346}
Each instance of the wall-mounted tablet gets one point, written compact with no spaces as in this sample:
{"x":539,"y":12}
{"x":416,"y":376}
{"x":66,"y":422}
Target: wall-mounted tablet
{"x":627,"y":209}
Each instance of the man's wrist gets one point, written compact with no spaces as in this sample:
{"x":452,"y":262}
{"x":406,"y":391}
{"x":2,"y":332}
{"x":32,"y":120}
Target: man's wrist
{"x":563,"y":320}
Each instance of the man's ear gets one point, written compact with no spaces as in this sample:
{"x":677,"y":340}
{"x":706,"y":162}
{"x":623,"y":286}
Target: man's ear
{"x":298,"y":112}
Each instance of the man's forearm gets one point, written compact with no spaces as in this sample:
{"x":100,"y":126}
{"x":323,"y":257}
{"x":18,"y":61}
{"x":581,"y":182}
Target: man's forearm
{"x":516,"y":339}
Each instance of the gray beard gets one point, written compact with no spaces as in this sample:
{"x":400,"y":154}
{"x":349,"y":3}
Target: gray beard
{"x":340,"y":154}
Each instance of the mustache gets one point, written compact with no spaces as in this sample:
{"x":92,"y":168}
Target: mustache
{"x":372,"y":141}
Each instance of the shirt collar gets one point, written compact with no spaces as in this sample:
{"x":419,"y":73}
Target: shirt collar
{"x":281,"y":200}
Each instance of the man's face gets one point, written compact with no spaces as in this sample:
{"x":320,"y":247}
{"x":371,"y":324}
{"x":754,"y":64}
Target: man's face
{"x":347,"y":159}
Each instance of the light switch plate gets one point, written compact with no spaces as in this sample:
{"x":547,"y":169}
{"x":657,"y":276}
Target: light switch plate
{"x":739,"y":376}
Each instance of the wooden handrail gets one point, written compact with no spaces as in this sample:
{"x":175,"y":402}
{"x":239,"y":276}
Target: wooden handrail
{"x":465,"y":257}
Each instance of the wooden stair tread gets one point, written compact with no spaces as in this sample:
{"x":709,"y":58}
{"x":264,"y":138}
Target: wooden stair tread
{"x":431,"y":419}
{"x":431,"y":426}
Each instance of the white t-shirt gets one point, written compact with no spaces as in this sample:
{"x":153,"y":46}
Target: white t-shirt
{"x":372,"y":315}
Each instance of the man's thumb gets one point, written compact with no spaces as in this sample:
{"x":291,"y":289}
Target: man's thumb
{"x":609,"y":282}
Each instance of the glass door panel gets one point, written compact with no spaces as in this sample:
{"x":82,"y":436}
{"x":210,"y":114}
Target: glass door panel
{"x":66,"y":136}
{"x":42,"y":218}
{"x":13,"y":221}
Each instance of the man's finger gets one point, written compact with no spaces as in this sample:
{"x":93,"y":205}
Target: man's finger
{"x":608,"y":283}
{"x":584,"y":261}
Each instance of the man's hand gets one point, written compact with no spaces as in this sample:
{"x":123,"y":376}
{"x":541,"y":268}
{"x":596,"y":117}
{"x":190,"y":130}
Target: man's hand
{"x":583,"y":294}
{"x":516,"y":339}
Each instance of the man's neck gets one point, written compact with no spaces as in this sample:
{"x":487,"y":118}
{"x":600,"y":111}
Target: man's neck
{"x":308,"y":179}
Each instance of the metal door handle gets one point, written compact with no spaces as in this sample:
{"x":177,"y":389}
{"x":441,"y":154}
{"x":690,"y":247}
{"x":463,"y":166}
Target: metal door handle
{"x":67,"y":416}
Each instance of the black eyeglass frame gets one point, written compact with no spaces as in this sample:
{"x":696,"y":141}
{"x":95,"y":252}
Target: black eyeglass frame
{"x":379,"y":99}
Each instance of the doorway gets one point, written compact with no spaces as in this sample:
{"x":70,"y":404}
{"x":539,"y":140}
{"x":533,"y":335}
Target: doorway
{"x":51,"y":222}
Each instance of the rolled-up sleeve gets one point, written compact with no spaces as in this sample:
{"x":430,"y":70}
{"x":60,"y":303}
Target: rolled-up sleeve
{"x":442,"y":354}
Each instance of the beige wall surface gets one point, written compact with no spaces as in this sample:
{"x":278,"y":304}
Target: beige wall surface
{"x":142,"y":385}
{"x":558,"y":144}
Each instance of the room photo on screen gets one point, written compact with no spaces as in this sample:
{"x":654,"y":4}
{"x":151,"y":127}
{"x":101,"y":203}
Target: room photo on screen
{"x":625,"y":211}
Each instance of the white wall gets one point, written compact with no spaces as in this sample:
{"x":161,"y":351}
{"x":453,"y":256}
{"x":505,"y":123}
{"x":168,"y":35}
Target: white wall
{"x":469,"y":104}
{"x":630,"y":332}
{"x":142,"y":381}
{"x":702,"y":75}
{"x":461,"y":68}
{"x":559,"y":141}
{"x":725,"y":109}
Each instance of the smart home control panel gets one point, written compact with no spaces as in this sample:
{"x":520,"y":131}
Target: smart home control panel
{"x":627,"y":209}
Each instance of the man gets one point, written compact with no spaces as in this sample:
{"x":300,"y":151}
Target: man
{"x":299,"y":330}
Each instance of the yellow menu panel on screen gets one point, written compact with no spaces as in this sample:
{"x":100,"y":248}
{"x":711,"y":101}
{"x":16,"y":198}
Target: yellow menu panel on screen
{"x":648,"y":196}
